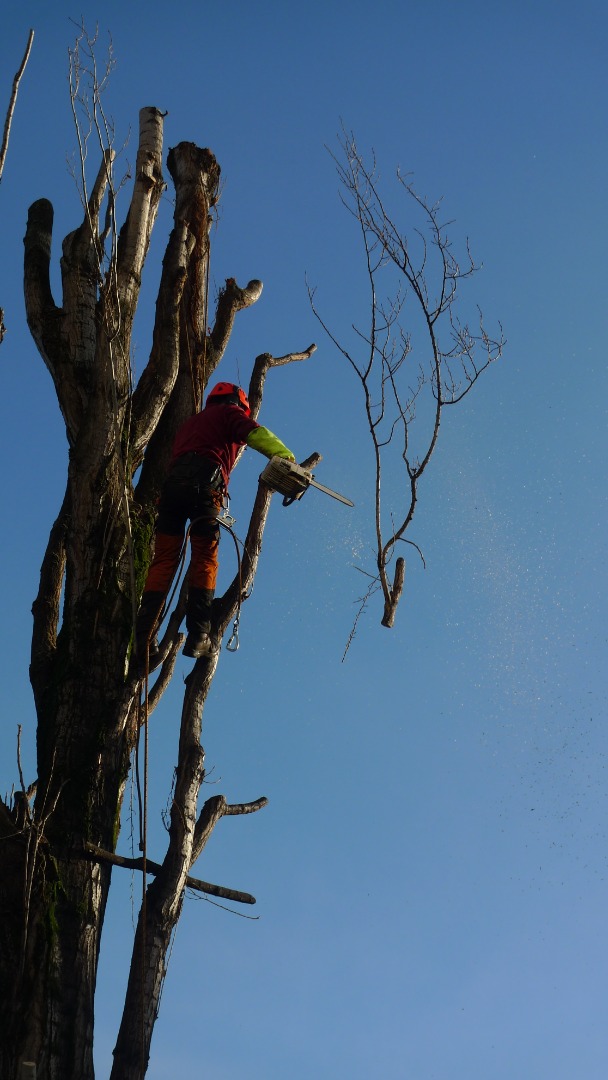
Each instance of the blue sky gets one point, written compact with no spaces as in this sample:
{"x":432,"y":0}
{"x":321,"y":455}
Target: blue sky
{"x":431,"y":868}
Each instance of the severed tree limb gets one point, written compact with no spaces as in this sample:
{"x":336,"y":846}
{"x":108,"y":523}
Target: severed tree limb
{"x":151,"y":867}
{"x":232,"y":299}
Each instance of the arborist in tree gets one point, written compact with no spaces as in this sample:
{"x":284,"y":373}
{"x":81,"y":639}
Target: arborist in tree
{"x":204,"y":452}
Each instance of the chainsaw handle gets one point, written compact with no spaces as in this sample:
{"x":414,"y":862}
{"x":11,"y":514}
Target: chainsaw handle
{"x":308,"y":464}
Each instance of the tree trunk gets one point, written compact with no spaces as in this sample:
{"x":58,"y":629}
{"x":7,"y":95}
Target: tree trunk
{"x":85,"y":698}
{"x":57,"y":851}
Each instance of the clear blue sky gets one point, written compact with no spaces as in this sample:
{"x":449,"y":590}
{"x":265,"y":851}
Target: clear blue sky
{"x":431,"y":868}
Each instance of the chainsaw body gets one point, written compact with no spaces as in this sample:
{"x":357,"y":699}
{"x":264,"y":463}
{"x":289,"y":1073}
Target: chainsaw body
{"x":292,"y":480}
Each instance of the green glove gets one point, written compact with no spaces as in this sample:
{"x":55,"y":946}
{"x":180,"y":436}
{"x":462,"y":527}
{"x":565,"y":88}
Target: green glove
{"x":265,"y":442}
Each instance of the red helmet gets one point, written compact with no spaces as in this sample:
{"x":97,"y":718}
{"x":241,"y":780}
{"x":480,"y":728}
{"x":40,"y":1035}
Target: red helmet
{"x":227,"y":393}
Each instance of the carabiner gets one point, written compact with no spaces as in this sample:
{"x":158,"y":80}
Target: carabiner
{"x":232,"y":644}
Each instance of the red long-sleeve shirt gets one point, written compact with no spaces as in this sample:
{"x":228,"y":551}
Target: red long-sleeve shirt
{"x":217,"y":433}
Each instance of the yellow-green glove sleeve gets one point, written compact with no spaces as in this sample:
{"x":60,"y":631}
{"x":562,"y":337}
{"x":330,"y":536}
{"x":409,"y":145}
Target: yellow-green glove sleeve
{"x":263,"y":440}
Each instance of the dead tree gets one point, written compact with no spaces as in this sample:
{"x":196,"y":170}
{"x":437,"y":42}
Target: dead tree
{"x":59,"y":834}
{"x":408,"y":376}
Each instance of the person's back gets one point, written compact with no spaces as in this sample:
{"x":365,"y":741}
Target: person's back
{"x":217,"y":433}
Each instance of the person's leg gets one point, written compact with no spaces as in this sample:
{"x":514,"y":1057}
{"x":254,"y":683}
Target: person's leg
{"x":169,"y":537}
{"x":204,"y":541}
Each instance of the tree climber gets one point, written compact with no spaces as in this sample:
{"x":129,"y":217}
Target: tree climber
{"x":204,"y":452}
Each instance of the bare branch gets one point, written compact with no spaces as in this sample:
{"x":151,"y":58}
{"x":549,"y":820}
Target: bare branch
{"x":13,"y":101}
{"x":442,"y":350}
{"x":151,"y":867}
{"x":263,"y":364}
{"x":245,"y":808}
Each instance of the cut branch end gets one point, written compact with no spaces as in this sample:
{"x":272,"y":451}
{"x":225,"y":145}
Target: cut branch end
{"x":390,"y":604}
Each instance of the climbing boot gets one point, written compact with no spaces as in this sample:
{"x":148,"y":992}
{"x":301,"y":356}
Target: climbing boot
{"x":198,"y":643}
{"x":198,"y":623}
{"x":198,"y":609}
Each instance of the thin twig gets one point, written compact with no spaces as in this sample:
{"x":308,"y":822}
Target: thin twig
{"x":13,"y":101}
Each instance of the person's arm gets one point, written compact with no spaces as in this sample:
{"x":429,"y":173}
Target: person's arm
{"x":265,"y":442}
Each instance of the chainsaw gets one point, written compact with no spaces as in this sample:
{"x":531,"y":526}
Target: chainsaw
{"x":292,"y":480}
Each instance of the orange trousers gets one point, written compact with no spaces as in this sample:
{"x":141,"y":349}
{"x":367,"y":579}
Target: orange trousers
{"x":203,"y":562}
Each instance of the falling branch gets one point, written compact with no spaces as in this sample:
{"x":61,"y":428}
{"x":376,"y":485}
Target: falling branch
{"x":398,"y":380}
